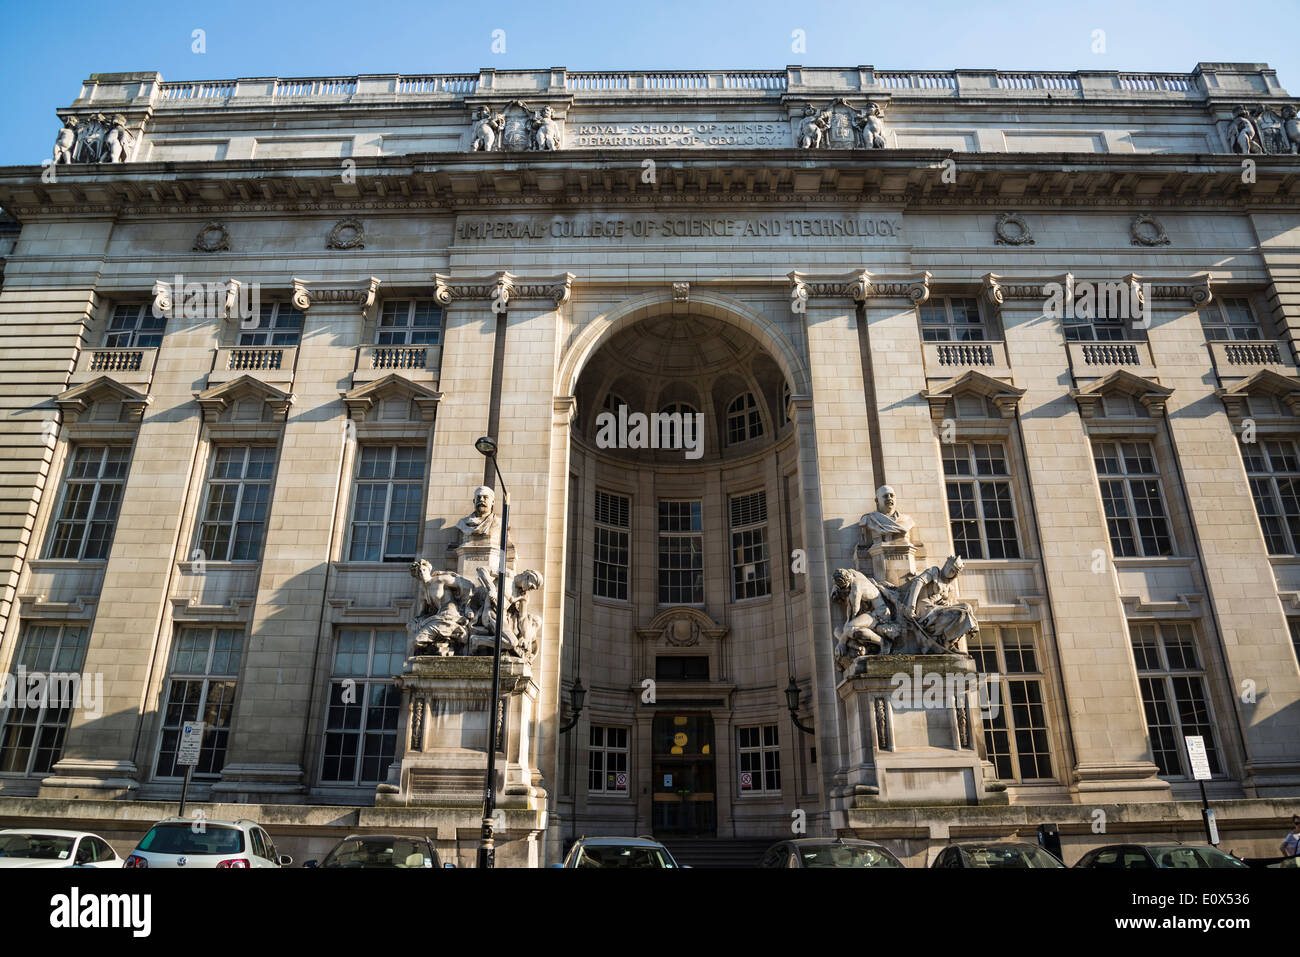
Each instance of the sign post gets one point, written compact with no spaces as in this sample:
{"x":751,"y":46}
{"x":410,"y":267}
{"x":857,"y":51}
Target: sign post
{"x":1200,"y":763}
{"x":187,"y":754}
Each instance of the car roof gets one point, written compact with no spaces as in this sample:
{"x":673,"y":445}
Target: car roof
{"x":385,"y":837}
{"x":620,"y":841}
{"x":47,"y":832}
{"x":208,"y":821}
{"x":828,"y":841}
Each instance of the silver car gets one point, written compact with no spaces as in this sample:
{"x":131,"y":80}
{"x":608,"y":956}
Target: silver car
{"x":47,"y":847}
{"x":618,"y":853}
{"x":182,"y":842}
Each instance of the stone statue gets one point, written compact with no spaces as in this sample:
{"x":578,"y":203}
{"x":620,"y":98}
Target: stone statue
{"x":1271,"y":138}
{"x":483,"y":525}
{"x":453,"y":615}
{"x":813,"y":127}
{"x":94,"y":139}
{"x":887,"y":524}
{"x":868,"y":620}
{"x":546,"y":130}
{"x":1242,"y":133}
{"x":1291,"y":128}
{"x":487,"y":129}
{"x":440,"y":620}
{"x":869,"y":128}
{"x":939,"y":618}
{"x":65,"y":141}
{"x":117,"y":142}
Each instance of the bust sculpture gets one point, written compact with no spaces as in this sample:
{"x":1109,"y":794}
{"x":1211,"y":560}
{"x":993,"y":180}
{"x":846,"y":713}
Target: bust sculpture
{"x":887,"y":524}
{"x":483,"y":525}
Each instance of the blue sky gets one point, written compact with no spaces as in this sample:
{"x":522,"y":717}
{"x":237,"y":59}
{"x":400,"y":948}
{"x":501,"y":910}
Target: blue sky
{"x":47,"y":49}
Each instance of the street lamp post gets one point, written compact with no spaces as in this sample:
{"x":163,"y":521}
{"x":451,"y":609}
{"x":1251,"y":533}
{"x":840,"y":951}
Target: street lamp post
{"x":486,"y":848}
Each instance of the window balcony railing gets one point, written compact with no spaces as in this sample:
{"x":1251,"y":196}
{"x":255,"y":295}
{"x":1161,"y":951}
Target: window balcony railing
{"x":418,"y":363}
{"x":1095,"y":360}
{"x":945,"y":360}
{"x":128,"y":366}
{"x":266,"y":363}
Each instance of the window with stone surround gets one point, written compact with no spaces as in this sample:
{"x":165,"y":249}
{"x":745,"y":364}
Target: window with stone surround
{"x":981,"y":511}
{"x":750,"y":573}
{"x":1294,"y":625}
{"x":386,"y":498}
{"x":743,"y":420}
{"x":236,"y":503}
{"x":33,"y":724}
{"x":607,"y":761}
{"x":681,"y":553}
{"x":1016,"y":734}
{"x":613,"y":546}
{"x":1174,"y":698}
{"x":1273,"y":467}
{"x":759,"y":752}
{"x":952,"y":319}
{"x":1131,"y":493}
{"x":1104,"y":321}
{"x":1230,"y":319}
{"x":200,"y":687}
{"x":86,"y":516}
{"x":279,"y":324}
{"x":364,"y":703}
{"x":134,"y":326}
{"x":409,"y":322}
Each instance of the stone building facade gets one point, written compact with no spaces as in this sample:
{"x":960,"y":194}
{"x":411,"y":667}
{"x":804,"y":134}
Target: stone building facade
{"x":251,"y":330}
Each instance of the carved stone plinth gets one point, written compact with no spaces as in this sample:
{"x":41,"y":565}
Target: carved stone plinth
{"x":471,"y":556}
{"x":914,"y":733}
{"x":892,"y":562}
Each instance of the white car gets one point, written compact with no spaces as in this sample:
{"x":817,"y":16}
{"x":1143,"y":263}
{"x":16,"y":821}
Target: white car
{"x":48,"y":847}
{"x":189,"y":842}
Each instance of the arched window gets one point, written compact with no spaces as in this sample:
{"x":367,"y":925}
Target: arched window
{"x":743,"y":421}
{"x":673,"y":434}
{"x":612,"y":401}
{"x":785,"y":403}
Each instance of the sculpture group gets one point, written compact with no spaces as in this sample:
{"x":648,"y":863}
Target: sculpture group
{"x":95,"y":139}
{"x":916,"y":614}
{"x":516,"y":128}
{"x":1261,"y":130}
{"x":840,"y":126}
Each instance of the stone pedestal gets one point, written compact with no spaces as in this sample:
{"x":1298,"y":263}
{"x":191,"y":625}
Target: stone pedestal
{"x":890,"y":563}
{"x":914,"y":733}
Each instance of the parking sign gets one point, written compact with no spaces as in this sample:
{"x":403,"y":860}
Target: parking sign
{"x":187,"y":752}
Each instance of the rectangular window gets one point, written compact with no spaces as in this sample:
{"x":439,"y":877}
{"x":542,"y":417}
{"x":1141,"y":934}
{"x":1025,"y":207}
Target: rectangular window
{"x":948,"y":319}
{"x":980,"y":508}
{"x":1134,"y":502}
{"x":793,"y":530}
{"x":750,"y":576}
{"x":1015,"y":725}
{"x":361,"y":723}
{"x":682,"y":668}
{"x":681,"y":554}
{"x":92,"y":494}
{"x":607,"y":761}
{"x":279,"y":324}
{"x":1106,"y":324}
{"x":1274,"y":471}
{"x":409,"y":322}
{"x":239,"y":493}
{"x":613,"y":546}
{"x":1173,"y":693}
{"x":200,"y":687}
{"x":35,"y":722}
{"x":1227,"y":319}
{"x":1294,"y":625}
{"x":134,"y":327}
{"x":386,"y":503}
{"x":760,"y":759}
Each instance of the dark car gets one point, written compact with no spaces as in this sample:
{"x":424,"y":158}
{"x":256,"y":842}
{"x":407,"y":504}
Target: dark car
{"x":381,"y":851}
{"x":1153,"y":856}
{"x":825,"y":852}
{"x":999,"y":856}
{"x":620,"y":853}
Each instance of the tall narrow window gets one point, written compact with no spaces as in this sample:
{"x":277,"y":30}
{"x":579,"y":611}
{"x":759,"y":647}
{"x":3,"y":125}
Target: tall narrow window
{"x":750,"y":575}
{"x":35,"y":722}
{"x":1226,"y":319}
{"x":981,"y":512}
{"x":1274,"y":471}
{"x":952,"y":319}
{"x":200,"y":687}
{"x":610,"y":564}
{"x":279,"y":324}
{"x":681,"y":554}
{"x":409,"y":322}
{"x":1173,"y":693}
{"x":361,"y":724}
{"x":1294,"y":625}
{"x":760,"y":759}
{"x":743,"y":420}
{"x":92,"y":495}
{"x":386,"y":503}
{"x":1015,"y":720}
{"x":239,"y":492}
{"x":1134,"y":503}
{"x":607,"y":761}
{"x":134,"y":326}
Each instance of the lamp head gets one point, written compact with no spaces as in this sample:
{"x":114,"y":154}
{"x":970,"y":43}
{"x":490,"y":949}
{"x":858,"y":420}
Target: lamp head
{"x":792,"y":696}
{"x":487,"y":445}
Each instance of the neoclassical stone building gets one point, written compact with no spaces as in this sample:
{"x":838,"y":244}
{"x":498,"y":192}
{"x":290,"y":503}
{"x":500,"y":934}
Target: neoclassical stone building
{"x":251,"y":329}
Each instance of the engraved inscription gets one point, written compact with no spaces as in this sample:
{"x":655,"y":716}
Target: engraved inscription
{"x":549,"y":229}
{"x":644,"y":135}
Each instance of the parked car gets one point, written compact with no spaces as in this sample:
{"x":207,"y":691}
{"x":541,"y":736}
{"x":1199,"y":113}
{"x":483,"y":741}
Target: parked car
{"x":1152,"y":856}
{"x":184,"y":842}
{"x":1010,"y":856}
{"x":381,"y":851}
{"x":618,"y":852}
{"x":47,"y":847}
{"x":825,"y":852}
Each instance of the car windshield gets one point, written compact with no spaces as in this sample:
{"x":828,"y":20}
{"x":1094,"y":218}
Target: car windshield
{"x":386,"y":852}
{"x":845,"y":855}
{"x":1014,"y":856}
{"x":616,"y":855}
{"x":1184,"y":857}
{"x":48,"y":847}
{"x":190,"y":839}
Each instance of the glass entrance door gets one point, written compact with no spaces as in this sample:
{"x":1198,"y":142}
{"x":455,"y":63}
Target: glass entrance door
{"x":684,"y":775}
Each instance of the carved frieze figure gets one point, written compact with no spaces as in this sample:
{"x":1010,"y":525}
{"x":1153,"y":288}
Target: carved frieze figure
{"x":1291,"y":128}
{"x":886,"y":524}
{"x":1242,"y":133}
{"x":94,"y":139}
{"x":483,"y":525}
{"x":66,"y":141}
{"x":1269,"y":124}
{"x":486,"y":130}
{"x":813,"y":127}
{"x":546,"y":130}
{"x":118,"y":141}
{"x":869,"y":128}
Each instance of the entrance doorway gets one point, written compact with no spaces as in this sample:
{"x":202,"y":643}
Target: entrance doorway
{"x":685,"y":779}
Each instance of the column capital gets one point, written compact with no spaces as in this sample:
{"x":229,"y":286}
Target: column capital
{"x":503,"y":287}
